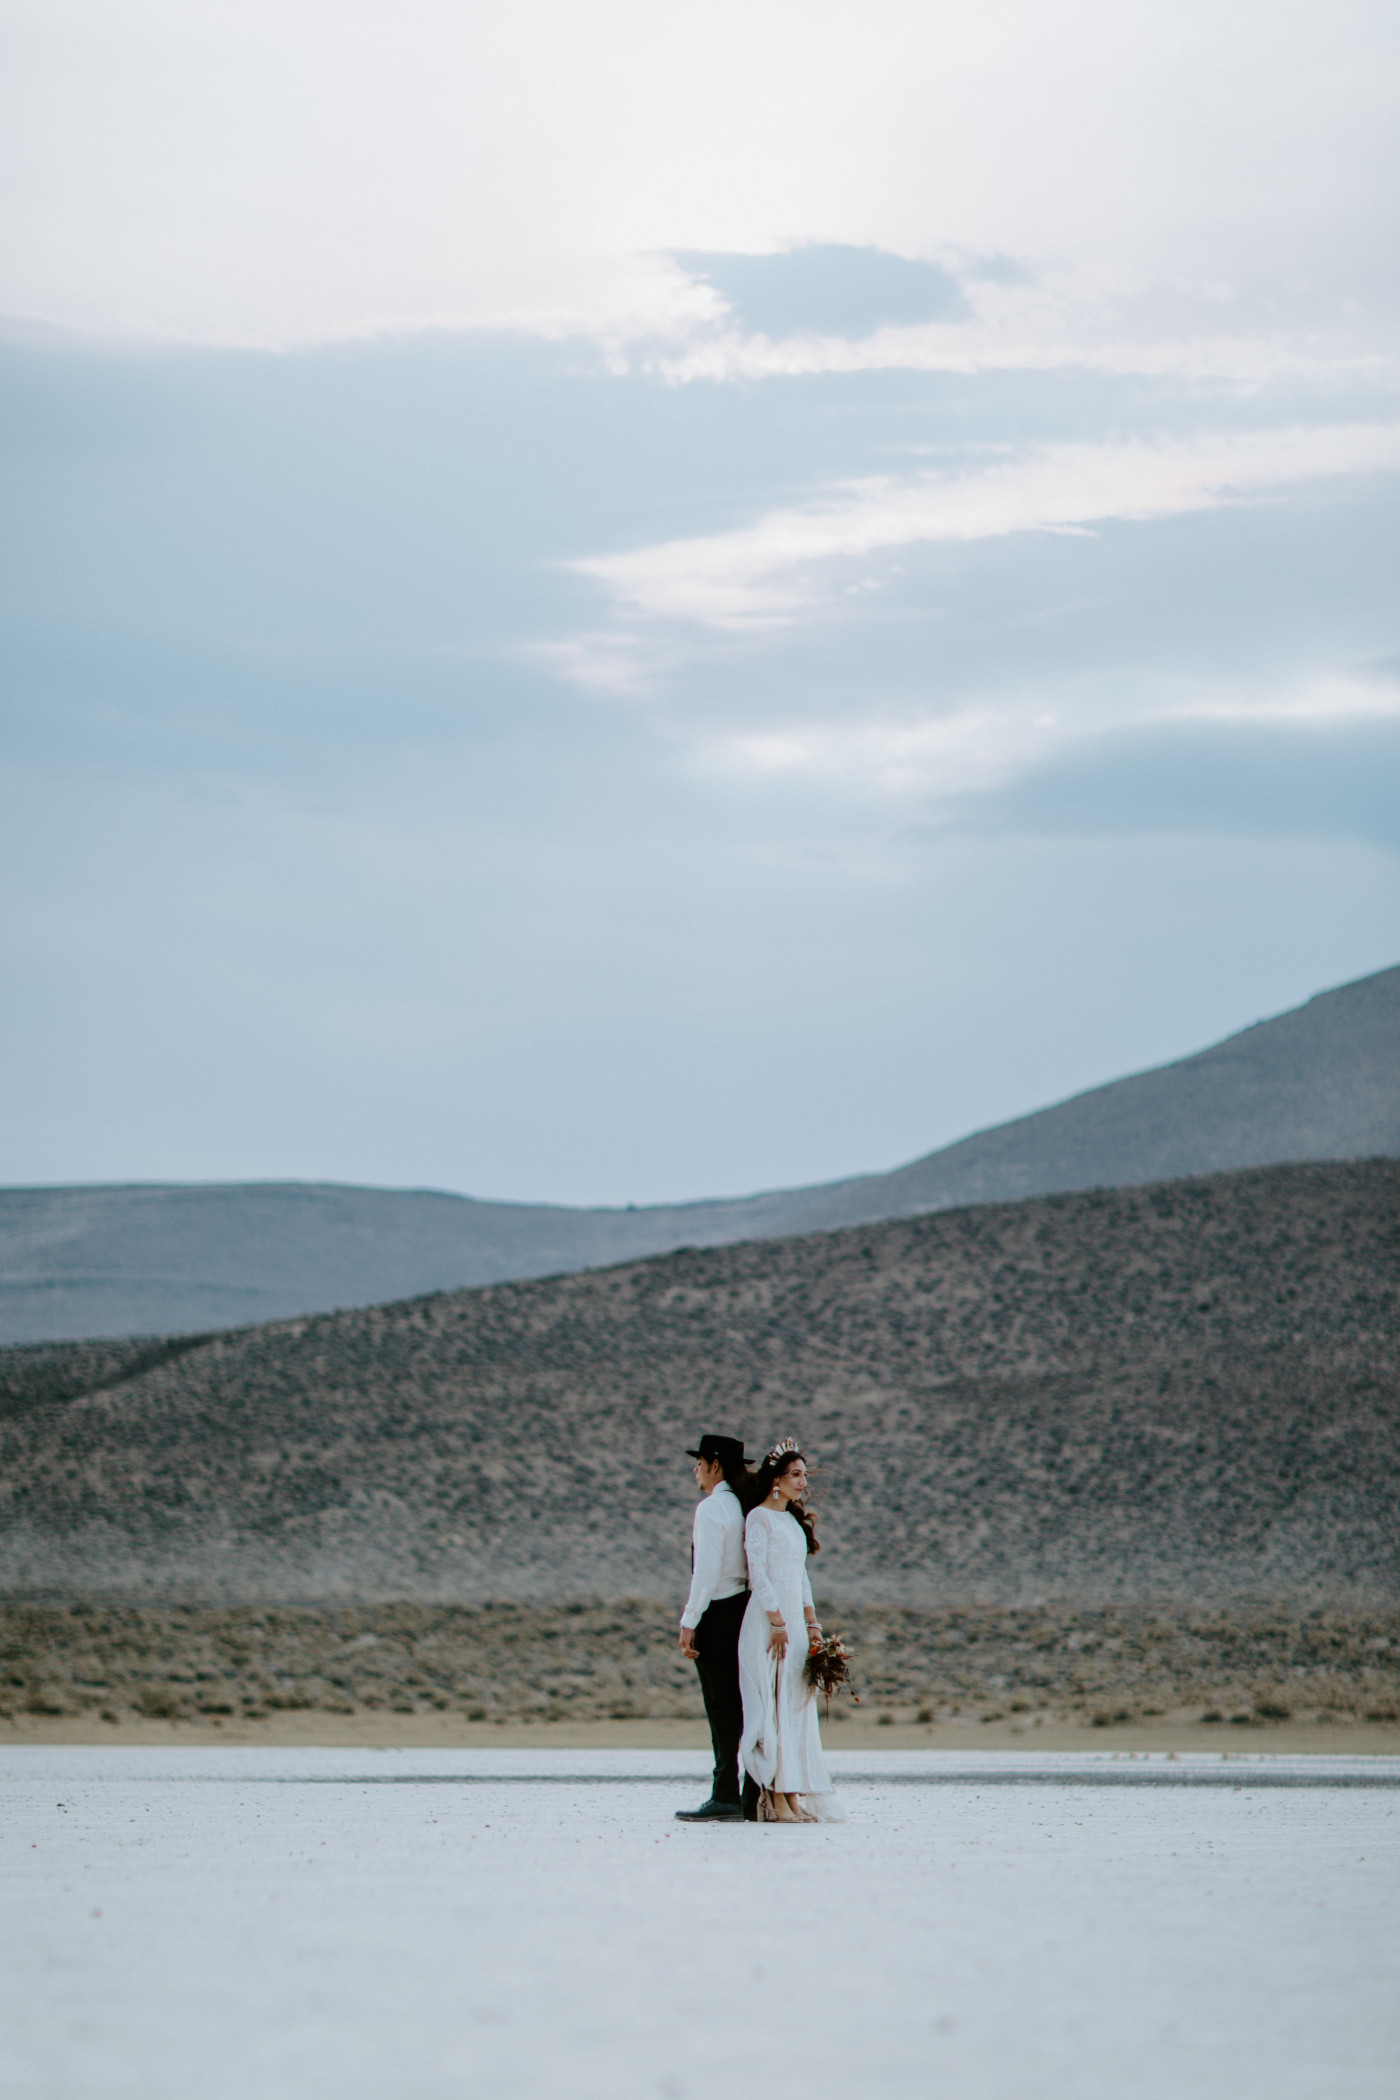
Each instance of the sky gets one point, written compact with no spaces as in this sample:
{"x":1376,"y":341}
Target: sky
{"x":628,"y":603}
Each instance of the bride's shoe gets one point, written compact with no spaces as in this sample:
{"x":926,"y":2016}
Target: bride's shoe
{"x":783,"y":1811}
{"x":767,"y":1808}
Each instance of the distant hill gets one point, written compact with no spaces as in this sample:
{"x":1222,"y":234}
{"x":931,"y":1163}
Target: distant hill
{"x":1321,"y":1082}
{"x":1182,"y":1391}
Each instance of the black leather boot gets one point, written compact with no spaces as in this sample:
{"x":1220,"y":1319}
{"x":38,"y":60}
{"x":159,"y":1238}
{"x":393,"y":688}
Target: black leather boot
{"x":711,"y":1811}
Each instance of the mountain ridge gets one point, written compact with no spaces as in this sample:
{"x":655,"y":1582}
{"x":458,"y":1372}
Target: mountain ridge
{"x":1321,"y":1081}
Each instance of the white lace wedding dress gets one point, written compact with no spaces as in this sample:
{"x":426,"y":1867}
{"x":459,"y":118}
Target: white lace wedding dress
{"x":781,"y":1744}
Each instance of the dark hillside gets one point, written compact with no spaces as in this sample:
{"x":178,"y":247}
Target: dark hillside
{"x":1182,"y":1391}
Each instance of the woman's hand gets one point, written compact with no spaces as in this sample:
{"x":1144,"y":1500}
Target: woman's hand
{"x":777,"y":1639}
{"x":814,"y":1636}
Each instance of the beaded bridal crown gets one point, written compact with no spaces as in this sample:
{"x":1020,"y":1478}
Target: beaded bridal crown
{"x":789,"y":1443}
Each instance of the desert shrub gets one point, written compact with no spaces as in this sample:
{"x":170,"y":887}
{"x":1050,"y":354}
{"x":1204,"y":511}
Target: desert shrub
{"x":159,"y":1702}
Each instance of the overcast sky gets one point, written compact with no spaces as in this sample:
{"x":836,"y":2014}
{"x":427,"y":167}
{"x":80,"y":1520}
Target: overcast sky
{"x":631,"y":602}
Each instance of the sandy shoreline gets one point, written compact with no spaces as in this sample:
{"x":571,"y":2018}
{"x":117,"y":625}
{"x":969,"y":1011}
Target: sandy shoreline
{"x":446,"y":1731}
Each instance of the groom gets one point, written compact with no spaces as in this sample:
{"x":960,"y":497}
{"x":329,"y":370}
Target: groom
{"x":714,"y":1611}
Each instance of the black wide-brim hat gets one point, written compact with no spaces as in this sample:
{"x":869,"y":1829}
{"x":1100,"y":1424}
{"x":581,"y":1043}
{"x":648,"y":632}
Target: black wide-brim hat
{"x":720,"y":1450}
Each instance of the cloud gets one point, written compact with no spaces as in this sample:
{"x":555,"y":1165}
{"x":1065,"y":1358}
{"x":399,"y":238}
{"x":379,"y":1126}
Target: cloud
{"x":607,"y":661}
{"x":1082,"y":735}
{"x":290,"y":761}
{"x":1063,"y":323}
{"x":829,"y":289}
{"x":284,"y":171}
{"x":1243,"y":776}
{"x":773,"y":569}
{"x":962,"y":751}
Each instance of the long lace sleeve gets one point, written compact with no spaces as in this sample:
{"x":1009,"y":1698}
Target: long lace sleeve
{"x":807,"y":1587}
{"x":756,"y":1548}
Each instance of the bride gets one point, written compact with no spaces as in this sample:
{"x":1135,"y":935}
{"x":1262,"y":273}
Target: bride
{"x":781,"y":1744}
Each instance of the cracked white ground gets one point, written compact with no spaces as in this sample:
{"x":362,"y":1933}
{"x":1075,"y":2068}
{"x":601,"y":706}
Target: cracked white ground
{"x":392,"y":1925}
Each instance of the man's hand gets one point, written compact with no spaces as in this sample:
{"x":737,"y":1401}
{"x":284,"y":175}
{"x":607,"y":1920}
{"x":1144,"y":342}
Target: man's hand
{"x":688,"y":1647}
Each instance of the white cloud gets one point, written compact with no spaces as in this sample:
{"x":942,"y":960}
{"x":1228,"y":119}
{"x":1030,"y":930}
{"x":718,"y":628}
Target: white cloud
{"x":973,"y":748}
{"x":276,"y":171}
{"x":1063,"y":323}
{"x":773,"y":569}
{"x":958,"y":752}
{"x":603,"y":661}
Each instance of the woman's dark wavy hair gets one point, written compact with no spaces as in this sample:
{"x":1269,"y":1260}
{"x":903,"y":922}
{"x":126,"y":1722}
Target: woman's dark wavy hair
{"x":760,"y":1487}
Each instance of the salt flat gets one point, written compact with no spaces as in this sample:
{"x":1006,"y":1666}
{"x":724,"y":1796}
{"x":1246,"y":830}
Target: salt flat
{"x":406,"y":1925}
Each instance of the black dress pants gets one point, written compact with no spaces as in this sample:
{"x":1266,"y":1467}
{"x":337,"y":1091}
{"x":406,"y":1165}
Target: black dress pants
{"x":717,"y":1643}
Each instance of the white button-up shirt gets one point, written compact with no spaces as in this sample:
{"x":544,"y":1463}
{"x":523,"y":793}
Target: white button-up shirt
{"x":720,"y":1568}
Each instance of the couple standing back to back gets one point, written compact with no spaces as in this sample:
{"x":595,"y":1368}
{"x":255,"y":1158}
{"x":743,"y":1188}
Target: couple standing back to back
{"x":748,"y":1625}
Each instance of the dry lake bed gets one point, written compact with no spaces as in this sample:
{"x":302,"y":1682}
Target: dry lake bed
{"x":358,"y":1924}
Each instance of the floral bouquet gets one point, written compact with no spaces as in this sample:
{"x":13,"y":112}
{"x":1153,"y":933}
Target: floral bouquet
{"x":828,"y":1670}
